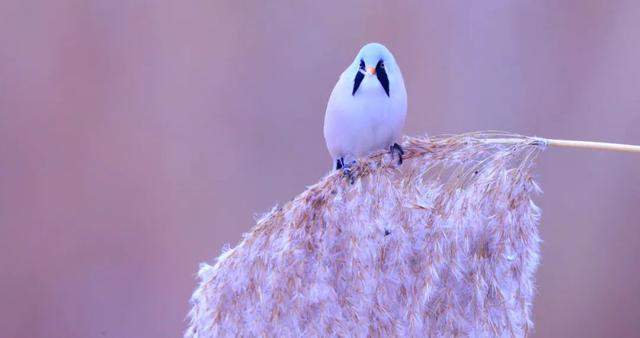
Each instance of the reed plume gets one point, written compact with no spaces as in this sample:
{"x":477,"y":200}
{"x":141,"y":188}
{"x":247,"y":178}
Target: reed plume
{"x":445,"y":244}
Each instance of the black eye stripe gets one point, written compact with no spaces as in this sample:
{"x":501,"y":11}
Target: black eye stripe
{"x":356,"y":82}
{"x":381,"y":73}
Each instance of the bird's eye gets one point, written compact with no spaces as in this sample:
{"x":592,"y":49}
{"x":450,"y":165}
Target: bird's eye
{"x":381,"y":64}
{"x":362,"y":64}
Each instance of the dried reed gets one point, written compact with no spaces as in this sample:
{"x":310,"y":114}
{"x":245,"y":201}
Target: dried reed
{"x":444,"y":245}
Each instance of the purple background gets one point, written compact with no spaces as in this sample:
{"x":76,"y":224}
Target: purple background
{"x":137,"y":137}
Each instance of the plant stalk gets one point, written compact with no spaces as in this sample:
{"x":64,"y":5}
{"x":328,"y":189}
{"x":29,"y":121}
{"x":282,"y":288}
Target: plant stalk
{"x":594,"y":145}
{"x":572,"y":144}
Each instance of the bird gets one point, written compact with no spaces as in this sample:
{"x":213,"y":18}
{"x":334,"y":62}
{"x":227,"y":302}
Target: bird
{"x":367,"y":108}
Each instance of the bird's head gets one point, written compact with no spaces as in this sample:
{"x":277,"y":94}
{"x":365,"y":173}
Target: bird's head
{"x":375,"y":60}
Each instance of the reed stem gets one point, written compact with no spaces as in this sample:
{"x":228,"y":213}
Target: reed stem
{"x":572,"y":144}
{"x":594,"y":145}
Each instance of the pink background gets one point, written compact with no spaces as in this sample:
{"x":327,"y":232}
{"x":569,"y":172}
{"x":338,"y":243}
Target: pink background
{"x":137,"y":137}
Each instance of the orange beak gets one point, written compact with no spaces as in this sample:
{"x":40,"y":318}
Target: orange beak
{"x":371,"y":70}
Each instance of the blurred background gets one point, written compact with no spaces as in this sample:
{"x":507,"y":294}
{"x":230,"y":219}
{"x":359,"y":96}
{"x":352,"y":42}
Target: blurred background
{"x":138,"y":137}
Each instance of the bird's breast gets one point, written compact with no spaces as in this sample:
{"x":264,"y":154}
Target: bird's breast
{"x":370,"y":86}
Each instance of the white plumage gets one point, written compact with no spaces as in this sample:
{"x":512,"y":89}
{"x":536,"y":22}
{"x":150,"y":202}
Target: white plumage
{"x":362,"y":115}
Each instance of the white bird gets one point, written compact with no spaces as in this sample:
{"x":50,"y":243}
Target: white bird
{"x":367,"y":107}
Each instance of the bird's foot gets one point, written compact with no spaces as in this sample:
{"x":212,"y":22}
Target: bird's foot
{"x":396,"y":148}
{"x":346,"y":169}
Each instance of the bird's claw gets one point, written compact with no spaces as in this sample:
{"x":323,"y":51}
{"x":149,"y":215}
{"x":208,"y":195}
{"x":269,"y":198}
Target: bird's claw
{"x":346,"y":169}
{"x":349,"y":174}
{"x":396,"y":148}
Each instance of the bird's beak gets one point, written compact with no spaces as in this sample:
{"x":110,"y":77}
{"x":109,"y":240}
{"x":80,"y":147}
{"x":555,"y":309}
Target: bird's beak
{"x":371,"y":70}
